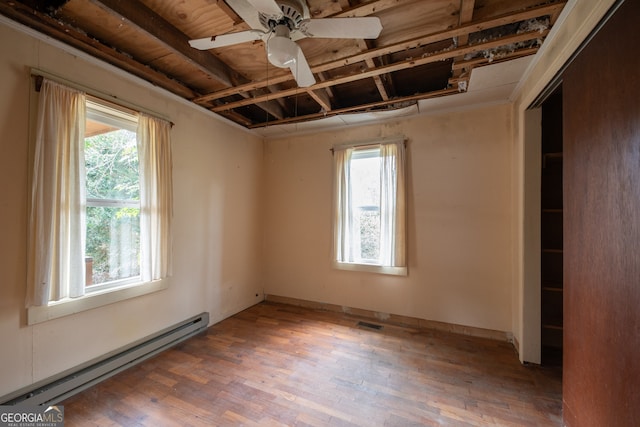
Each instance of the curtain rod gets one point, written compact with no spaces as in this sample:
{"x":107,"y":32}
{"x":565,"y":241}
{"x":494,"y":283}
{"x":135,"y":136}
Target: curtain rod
{"x":370,"y":143}
{"x":39,"y":75}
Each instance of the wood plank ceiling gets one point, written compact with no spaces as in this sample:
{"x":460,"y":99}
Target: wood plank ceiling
{"x":427,"y":48}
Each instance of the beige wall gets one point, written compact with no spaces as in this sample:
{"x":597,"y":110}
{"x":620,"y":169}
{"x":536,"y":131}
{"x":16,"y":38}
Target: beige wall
{"x":217,"y":184}
{"x":459,"y":221}
{"x":244,"y":217}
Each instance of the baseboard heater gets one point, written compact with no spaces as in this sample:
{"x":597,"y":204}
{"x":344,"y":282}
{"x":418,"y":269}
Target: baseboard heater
{"x":55,"y":389}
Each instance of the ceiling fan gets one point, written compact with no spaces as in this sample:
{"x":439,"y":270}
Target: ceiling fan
{"x":279,"y":23}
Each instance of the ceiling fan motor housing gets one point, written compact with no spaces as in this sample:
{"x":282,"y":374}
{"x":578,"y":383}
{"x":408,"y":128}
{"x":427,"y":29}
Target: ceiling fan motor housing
{"x":292,"y":15}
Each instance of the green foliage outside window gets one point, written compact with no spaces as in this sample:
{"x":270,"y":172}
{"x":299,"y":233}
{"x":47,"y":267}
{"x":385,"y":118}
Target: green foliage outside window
{"x":113,"y":232}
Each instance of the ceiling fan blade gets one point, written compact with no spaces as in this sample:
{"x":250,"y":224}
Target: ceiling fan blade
{"x":301,"y":70}
{"x":268,"y":7}
{"x":247,"y":12}
{"x":367,"y":27}
{"x":226,"y":39}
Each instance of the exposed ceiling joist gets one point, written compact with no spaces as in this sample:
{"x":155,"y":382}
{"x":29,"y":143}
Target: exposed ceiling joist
{"x":80,"y":40}
{"x":466,"y":16}
{"x":406,"y":45}
{"x":407,"y":100}
{"x":382,"y":90}
{"x":237,"y":20}
{"x":478,"y":62}
{"x":369,"y":8}
{"x":153,"y":24}
{"x":426,"y":49}
{"x":322,"y":98}
{"x":389,"y":68}
{"x":138,"y":14}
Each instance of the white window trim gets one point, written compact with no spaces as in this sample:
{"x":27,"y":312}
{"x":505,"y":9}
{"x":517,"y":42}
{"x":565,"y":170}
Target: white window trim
{"x":113,"y":284}
{"x":66,"y":307}
{"x":370,"y":268}
{"x":101,"y":111}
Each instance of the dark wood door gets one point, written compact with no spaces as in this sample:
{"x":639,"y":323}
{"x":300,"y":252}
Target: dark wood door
{"x":601,"y":115}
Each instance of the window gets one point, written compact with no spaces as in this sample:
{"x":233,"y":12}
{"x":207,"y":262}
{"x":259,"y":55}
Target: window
{"x":112,"y":249}
{"x":369,"y":215}
{"x":365,"y":179}
{"x":101,"y":206}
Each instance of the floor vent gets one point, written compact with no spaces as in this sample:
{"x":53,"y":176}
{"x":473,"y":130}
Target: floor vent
{"x":66,"y":384}
{"x":370,"y":326}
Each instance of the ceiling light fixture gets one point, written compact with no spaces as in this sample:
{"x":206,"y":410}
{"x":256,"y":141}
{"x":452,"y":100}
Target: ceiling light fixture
{"x":281,"y":50}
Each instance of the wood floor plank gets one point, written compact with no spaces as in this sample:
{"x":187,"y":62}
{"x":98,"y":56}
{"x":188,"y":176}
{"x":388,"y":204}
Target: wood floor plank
{"x":280,"y":365}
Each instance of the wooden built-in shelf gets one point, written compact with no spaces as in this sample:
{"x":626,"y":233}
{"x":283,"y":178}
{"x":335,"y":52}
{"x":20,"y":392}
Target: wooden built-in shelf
{"x":551,"y":225}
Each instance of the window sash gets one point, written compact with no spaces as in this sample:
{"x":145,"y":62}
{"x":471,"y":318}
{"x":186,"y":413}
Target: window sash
{"x":119,"y":118}
{"x":113,"y":203}
{"x":116,"y":116}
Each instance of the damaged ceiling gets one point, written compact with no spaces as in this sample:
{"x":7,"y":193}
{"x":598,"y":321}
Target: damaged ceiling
{"x":426,"y":49}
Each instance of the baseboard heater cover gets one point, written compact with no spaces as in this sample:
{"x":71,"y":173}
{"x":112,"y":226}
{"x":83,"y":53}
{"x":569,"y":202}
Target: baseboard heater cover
{"x":68,"y":383}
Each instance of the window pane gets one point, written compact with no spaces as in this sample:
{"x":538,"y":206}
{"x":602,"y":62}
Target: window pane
{"x":369,"y":221}
{"x":365,"y":176}
{"x":113,"y":233}
{"x":113,"y":243}
{"x":111,"y":160}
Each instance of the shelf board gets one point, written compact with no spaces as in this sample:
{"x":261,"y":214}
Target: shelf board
{"x":554,"y":155}
{"x":554,"y":327}
{"x":550,"y":156}
{"x":552,"y":289}
{"x":552,"y":251}
{"x":551,"y":210}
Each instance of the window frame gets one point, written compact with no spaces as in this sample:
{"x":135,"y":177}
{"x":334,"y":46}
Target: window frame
{"x":365,"y":153}
{"x":122,"y":290}
{"x":363,"y":266}
{"x":120,"y":117}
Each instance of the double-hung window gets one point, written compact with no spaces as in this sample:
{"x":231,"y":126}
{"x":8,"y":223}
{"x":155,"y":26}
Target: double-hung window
{"x":369,"y":207}
{"x":101,"y":203}
{"x":112,"y":250}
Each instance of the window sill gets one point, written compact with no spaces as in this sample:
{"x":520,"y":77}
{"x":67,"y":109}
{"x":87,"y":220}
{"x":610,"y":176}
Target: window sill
{"x":370,"y":268}
{"x":38,"y":314}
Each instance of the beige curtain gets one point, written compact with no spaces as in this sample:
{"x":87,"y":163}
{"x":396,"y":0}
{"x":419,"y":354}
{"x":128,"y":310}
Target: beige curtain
{"x":343,"y":216}
{"x":156,"y":197}
{"x":392,"y":205}
{"x":57,"y":229}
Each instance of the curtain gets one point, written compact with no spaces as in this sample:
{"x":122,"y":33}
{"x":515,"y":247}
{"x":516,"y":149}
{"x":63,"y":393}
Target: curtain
{"x":392,"y":205}
{"x":156,"y":197}
{"x":344,"y":226}
{"x":56,"y":268}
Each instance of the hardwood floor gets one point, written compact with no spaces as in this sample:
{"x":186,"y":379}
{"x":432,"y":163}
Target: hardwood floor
{"x":277,"y":364}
